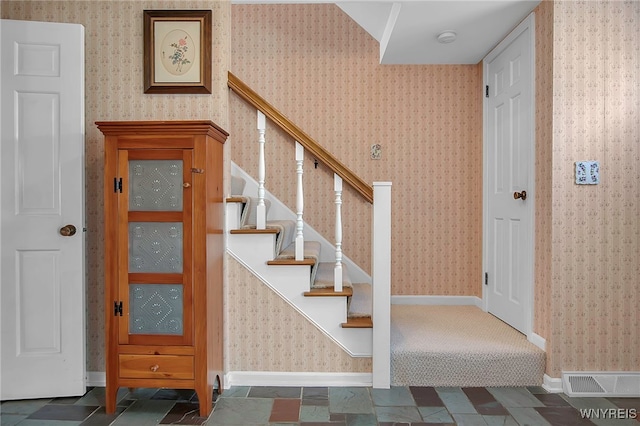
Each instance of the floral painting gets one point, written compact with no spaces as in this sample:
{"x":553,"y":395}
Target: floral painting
{"x":177,"y":51}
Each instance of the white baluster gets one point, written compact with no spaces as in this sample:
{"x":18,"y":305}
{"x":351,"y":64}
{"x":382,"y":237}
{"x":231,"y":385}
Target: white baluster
{"x":299,"y":203}
{"x":261,"y":212}
{"x":337,"y":270}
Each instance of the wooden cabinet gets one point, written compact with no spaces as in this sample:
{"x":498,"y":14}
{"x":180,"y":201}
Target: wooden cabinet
{"x":163,"y":218}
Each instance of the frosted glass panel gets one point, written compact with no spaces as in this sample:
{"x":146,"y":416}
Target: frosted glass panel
{"x":155,"y":309}
{"x":155,"y":185}
{"x":155,"y":247}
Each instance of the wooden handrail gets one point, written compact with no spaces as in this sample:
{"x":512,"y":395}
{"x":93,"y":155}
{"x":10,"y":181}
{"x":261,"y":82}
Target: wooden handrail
{"x":324,"y":156}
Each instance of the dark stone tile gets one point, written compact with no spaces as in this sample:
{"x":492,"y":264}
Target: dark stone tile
{"x":275,"y":392}
{"x":552,"y":400}
{"x":179,"y":395}
{"x":66,"y":400}
{"x":361,"y":419}
{"x":628,"y":403}
{"x":316,"y":402}
{"x":536,"y":389}
{"x":285,"y":410}
{"x":184,"y":413}
{"x":335,"y":417}
{"x":562,"y":416}
{"x":101,"y":418}
{"x":426,"y":396}
{"x":63,"y":412}
{"x":322,"y":424}
{"x":484,"y":402}
{"x":315,"y":393}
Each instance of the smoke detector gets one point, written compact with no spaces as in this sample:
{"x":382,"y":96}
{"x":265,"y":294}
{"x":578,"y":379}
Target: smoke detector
{"x":447,"y":37}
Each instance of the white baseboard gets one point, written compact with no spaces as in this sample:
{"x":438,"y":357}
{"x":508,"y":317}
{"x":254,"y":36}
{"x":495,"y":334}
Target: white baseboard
{"x":552,"y":384}
{"x":537,"y":340}
{"x":437,"y":300}
{"x":283,"y":378}
{"x":96,"y":378}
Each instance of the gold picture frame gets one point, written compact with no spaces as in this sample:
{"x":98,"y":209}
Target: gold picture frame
{"x":177,"y":51}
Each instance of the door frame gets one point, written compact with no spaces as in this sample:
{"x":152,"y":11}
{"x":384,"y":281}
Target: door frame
{"x":527,"y":23}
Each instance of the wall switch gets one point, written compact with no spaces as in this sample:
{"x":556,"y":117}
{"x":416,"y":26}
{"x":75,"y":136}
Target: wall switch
{"x":587,"y":172}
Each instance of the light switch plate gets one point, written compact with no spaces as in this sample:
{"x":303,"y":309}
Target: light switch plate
{"x":587,"y":172}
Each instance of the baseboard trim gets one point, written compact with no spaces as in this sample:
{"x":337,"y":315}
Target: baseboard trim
{"x":537,"y":340}
{"x":437,"y":300}
{"x":282,"y":378}
{"x":96,"y":378}
{"x":552,"y":384}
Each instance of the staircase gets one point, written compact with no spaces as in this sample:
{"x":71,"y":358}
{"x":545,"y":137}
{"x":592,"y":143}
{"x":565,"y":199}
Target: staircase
{"x":308,"y":284}
{"x":301,"y":266}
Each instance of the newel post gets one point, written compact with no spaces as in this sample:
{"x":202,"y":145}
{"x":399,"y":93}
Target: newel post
{"x":381,"y":277}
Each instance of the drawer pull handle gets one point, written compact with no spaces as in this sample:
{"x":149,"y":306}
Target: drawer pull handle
{"x":154,"y":368}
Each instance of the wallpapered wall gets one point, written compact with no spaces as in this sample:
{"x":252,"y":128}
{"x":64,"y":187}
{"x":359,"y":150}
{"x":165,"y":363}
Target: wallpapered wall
{"x":543,"y":172}
{"x":321,"y":69}
{"x":113,"y":87}
{"x":595,"y":320}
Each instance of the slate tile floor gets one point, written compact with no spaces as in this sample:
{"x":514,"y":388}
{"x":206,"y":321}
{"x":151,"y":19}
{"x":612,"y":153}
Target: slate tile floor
{"x":323,"y":406}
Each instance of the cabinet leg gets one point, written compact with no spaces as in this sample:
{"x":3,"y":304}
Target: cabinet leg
{"x":205,"y":396}
{"x":111,"y":395}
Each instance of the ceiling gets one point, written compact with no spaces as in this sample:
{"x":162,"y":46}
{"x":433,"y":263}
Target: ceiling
{"x":407,"y":30}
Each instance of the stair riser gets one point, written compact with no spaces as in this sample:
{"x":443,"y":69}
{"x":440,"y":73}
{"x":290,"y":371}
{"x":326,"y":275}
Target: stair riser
{"x":233,"y":215}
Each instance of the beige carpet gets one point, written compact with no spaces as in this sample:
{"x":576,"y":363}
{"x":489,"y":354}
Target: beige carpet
{"x":459,"y":346}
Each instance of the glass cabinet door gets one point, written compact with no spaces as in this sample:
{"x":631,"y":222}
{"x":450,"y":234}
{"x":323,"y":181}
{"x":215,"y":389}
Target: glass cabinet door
{"x":155,"y":247}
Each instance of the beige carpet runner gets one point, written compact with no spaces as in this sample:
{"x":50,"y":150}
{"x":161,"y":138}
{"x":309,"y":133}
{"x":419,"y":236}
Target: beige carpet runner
{"x":459,"y":346}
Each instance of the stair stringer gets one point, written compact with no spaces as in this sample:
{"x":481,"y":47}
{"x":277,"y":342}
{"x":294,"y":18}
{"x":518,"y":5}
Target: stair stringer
{"x":290,"y":282}
{"x":279,"y":210}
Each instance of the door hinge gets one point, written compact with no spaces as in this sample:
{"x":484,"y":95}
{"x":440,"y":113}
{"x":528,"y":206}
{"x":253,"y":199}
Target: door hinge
{"x":486,"y":278}
{"x":486,"y":91}
{"x":117,"y":308}
{"x":117,"y":185}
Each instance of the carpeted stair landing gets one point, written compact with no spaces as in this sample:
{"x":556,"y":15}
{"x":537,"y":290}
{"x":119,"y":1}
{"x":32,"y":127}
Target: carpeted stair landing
{"x":459,"y":346}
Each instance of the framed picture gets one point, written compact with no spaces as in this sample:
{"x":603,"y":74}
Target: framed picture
{"x":177,"y":51}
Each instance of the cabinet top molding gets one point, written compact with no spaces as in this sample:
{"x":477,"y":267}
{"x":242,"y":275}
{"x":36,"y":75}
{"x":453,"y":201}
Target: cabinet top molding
{"x":162,"y":127}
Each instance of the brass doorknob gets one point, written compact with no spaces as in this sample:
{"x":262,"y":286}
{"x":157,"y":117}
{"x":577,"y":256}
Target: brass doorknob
{"x":522,"y":195}
{"x":68,"y":230}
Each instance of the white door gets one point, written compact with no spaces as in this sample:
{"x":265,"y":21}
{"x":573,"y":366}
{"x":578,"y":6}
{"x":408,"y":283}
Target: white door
{"x":42,"y":190}
{"x":509,"y":160}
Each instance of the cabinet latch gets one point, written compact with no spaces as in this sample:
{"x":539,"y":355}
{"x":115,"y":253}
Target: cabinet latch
{"x":195,"y":170}
{"x":117,"y":308}
{"x":117,"y":185}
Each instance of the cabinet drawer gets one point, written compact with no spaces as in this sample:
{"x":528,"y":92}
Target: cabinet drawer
{"x":156,"y":366}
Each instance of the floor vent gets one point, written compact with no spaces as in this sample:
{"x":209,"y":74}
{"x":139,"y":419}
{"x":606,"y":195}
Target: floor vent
{"x":583,"y":384}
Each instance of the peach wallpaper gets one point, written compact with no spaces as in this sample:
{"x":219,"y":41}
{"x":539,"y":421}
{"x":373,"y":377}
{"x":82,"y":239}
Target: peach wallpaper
{"x":263,"y":333}
{"x":543,"y":175}
{"x":113,"y":87}
{"x":320,"y":69}
{"x":595,"y":230}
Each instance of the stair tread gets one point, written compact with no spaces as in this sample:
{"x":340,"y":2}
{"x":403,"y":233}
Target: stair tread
{"x":328,"y":292}
{"x":235,"y":199}
{"x":361,"y":322}
{"x":309,"y":262}
{"x":253,"y":231}
{"x":324,"y":276}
